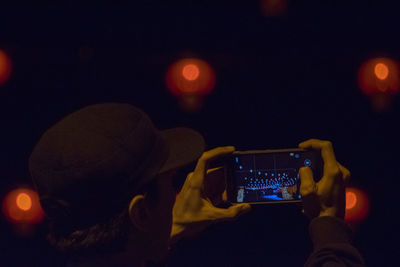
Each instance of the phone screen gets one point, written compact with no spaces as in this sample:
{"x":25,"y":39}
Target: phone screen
{"x":269,"y":176}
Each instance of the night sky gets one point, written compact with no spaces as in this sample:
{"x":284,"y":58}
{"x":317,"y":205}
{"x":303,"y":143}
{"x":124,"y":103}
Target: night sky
{"x":280,"y":80}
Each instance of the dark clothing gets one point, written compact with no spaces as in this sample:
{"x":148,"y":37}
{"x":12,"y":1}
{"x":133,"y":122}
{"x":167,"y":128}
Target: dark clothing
{"x":331,"y":238}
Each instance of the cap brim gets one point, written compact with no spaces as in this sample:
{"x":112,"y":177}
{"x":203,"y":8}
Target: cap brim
{"x":185,"y":147}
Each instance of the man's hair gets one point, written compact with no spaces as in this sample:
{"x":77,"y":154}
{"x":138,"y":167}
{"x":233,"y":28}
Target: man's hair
{"x":104,"y":237}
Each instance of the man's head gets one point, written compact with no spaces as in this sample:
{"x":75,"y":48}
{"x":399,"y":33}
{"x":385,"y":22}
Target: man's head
{"x":107,"y":164}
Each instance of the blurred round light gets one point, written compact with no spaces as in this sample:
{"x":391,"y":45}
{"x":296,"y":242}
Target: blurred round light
{"x":22,"y":206}
{"x":5,"y":67}
{"x":381,"y":71}
{"x":351,"y":200}
{"x":190,"y":72}
{"x":357,"y":205}
{"x":379,"y":75}
{"x":190,"y":76}
{"x":24,"y":201}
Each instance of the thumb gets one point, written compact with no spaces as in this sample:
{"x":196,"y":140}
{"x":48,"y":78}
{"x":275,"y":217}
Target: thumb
{"x":234,"y":212}
{"x":307,"y":183}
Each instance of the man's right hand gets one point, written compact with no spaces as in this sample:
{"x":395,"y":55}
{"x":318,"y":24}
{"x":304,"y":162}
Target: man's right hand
{"x":327,"y":197}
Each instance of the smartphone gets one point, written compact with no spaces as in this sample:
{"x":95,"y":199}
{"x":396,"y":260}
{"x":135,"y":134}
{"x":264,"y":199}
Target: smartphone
{"x":269,"y":176}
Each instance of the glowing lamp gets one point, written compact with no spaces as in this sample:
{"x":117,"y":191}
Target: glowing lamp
{"x":5,"y":67}
{"x":22,"y":206}
{"x":24,"y":201}
{"x":357,"y":205}
{"x":190,"y":76}
{"x":381,"y":71}
{"x":351,"y":200}
{"x":190,"y":72}
{"x":379,"y":75}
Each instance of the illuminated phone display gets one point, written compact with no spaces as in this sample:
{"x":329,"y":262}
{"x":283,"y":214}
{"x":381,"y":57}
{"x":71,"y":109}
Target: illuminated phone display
{"x":269,"y":176}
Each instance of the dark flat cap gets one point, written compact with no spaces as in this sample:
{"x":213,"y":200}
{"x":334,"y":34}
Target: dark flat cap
{"x":90,"y":163}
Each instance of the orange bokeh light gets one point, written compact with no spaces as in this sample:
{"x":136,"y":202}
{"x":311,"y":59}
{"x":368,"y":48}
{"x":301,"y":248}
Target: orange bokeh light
{"x":379,"y":75}
{"x":5,"y":67}
{"x":190,"y":72}
{"x":351,"y":200}
{"x":381,"y":71}
{"x":190,"y":76}
{"x":357,"y":205}
{"x":24,"y":201}
{"x":22,"y":206}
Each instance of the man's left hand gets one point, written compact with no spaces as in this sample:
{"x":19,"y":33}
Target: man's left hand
{"x":194,"y":208}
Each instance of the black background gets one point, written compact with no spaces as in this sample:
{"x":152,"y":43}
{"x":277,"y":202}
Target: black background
{"x":280,"y":80}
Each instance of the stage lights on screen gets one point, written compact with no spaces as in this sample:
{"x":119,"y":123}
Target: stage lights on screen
{"x":190,"y":80}
{"x":22,"y":206}
{"x":357,"y":205}
{"x":5,"y":67}
{"x":379,"y":79}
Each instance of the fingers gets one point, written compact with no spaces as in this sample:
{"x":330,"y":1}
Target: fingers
{"x":331,"y":167}
{"x":197,"y":178}
{"x":215,"y":170}
{"x":308,"y":191}
{"x":214,"y":185}
{"x":307,"y":183}
{"x":326,"y":148}
{"x":345,"y":172}
{"x":329,"y":191}
{"x":232,"y":212}
{"x":210,"y":172}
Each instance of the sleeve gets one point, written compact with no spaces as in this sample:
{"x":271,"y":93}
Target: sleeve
{"x":331,"y":238}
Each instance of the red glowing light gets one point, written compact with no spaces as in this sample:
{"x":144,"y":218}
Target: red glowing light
{"x":379,"y":75}
{"x":357,"y":205}
{"x":351,"y":200}
{"x":24,"y":201}
{"x":381,"y":71}
{"x":22,"y":206}
{"x":190,"y":76}
{"x":5,"y":67}
{"x":190,"y":72}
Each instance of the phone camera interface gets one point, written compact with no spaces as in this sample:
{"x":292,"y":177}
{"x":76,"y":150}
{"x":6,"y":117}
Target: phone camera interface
{"x":267,"y":176}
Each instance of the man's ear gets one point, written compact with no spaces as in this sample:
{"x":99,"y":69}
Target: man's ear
{"x":138,"y":213}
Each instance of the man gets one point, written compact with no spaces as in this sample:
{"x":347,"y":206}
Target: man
{"x":104,"y":175}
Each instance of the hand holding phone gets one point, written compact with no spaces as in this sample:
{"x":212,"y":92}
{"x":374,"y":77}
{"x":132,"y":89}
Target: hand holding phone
{"x":194,"y":209}
{"x":325,"y":196}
